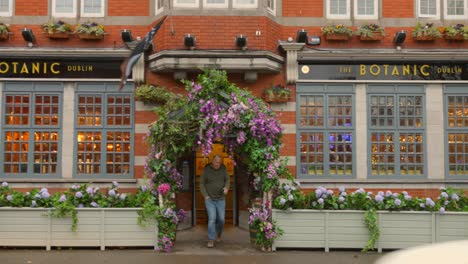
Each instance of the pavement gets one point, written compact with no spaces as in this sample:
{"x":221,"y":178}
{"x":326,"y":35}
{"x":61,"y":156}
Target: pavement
{"x":190,"y":247}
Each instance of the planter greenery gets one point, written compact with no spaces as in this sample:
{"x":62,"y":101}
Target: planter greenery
{"x":90,"y":30}
{"x":337,"y":32}
{"x":455,"y":32}
{"x":4,"y":31}
{"x":370,"y":32}
{"x":425,"y":33}
{"x":276,"y":94}
{"x":153,"y":94}
{"x":58,"y":29}
{"x":145,"y":212}
{"x":323,"y":219}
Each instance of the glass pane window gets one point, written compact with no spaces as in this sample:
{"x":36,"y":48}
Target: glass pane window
{"x":31,"y":148}
{"x":64,"y":6}
{"x":338,"y":7}
{"x":457,"y":112}
{"x":458,"y":153}
{"x":104,"y":145}
{"x":326,"y":148}
{"x":5,"y":7}
{"x":92,"y":6}
{"x":428,"y":7}
{"x":90,"y":110}
{"x":456,"y":7}
{"x":396,"y":148}
{"x":365,"y":7}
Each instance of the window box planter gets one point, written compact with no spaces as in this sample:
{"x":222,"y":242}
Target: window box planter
{"x":424,"y":38}
{"x":337,"y":36}
{"x":4,"y":35}
{"x":276,"y":99}
{"x":58,"y":35}
{"x":97,"y":227}
{"x":375,"y":37}
{"x":346,"y":229}
{"x":90,"y":36}
{"x":458,"y":37}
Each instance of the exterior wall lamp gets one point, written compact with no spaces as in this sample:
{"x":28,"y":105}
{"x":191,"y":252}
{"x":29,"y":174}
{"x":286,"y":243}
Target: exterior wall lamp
{"x":189,"y":41}
{"x":126,"y":35}
{"x":399,"y":38}
{"x":241,"y":42}
{"x":28,"y":36}
{"x":302,"y":37}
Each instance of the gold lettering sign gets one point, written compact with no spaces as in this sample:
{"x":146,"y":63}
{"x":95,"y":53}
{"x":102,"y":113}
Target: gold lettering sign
{"x":38,"y":68}
{"x":405,"y":70}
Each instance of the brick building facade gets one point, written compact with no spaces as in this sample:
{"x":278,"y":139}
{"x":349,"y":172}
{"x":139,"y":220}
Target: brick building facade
{"x":372,"y":114}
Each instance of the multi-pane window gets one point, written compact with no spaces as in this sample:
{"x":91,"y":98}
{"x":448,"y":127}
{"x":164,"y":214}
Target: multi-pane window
{"x":456,"y":9}
{"x":244,"y":4}
{"x":6,"y":7}
{"x":365,"y":9}
{"x":31,"y":135}
{"x":104,"y":135}
{"x":215,"y":3}
{"x":186,"y":3}
{"x":326,"y":135}
{"x":428,"y":8}
{"x":159,"y":4}
{"x":271,"y":6}
{"x":396,"y":125}
{"x":338,"y":8}
{"x":457,"y":134}
{"x":68,"y":8}
{"x":92,"y":8}
{"x":64,"y":8}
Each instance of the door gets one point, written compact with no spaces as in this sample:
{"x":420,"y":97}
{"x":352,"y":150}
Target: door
{"x":201,"y":162}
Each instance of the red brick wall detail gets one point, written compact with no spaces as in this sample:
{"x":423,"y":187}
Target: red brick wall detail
{"x":121,"y":8}
{"x":300,"y":8}
{"x":398,"y":8}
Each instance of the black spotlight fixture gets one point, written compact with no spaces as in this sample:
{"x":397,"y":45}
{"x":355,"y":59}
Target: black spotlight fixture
{"x":241,"y":41}
{"x":189,"y":41}
{"x":126,"y":35}
{"x":28,"y":36}
{"x":399,"y":38}
{"x":301,"y":36}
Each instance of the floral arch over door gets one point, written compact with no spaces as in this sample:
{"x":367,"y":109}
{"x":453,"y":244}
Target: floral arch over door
{"x":214,"y":110}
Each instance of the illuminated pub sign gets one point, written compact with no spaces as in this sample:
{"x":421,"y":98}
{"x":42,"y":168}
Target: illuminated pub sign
{"x":384,"y":71}
{"x":69,"y":68}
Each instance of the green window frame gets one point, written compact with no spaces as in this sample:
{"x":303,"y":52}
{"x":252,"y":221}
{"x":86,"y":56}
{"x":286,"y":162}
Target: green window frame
{"x":325,"y":131}
{"x":31,"y":130}
{"x":456,"y":131}
{"x":104,"y":133}
{"x":396,"y":129}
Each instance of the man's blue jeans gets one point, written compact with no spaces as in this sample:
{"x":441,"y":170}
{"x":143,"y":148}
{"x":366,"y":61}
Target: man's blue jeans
{"x":216,"y":214}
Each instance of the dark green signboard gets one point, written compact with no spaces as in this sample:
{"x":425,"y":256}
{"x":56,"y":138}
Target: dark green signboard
{"x":384,"y":71}
{"x":73,"y":68}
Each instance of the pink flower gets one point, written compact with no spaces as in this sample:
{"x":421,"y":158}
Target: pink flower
{"x":164,"y":188}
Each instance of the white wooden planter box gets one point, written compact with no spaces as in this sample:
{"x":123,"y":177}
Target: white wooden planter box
{"x":346,"y":229}
{"x":97,"y":227}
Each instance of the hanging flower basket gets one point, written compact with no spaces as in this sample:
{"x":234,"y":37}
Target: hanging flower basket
{"x":90,"y":36}
{"x":375,"y":36}
{"x":4,"y":36}
{"x":58,"y":35}
{"x":454,"y":37}
{"x":424,"y":38}
{"x":337,"y":36}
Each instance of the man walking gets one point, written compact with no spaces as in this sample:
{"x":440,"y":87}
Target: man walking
{"x":214,"y":185}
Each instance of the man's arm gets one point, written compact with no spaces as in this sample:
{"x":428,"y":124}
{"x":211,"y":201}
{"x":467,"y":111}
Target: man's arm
{"x":227,"y":181}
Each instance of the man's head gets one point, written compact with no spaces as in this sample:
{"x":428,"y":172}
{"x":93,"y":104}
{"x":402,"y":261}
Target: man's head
{"x":216,"y":162}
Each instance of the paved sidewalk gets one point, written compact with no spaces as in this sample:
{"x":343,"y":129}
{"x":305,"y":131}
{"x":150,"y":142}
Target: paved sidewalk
{"x":190,"y":248}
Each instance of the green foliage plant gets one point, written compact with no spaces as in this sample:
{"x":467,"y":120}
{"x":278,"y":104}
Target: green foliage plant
{"x":370,"y":219}
{"x":4,"y":28}
{"x":337,"y":29}
{"x":455,"y":30}
{"x":57,"y":26}
{"x":149,"y":93}
{"x":276,"y":92}
{"x":428,"y":30}
{"x":369,"y":30}
{"x":90,"y":28}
